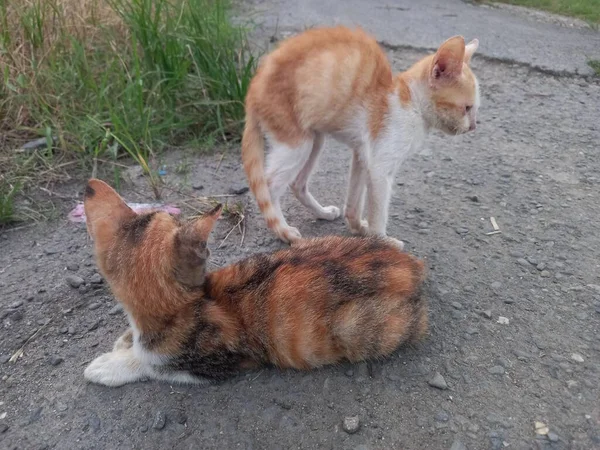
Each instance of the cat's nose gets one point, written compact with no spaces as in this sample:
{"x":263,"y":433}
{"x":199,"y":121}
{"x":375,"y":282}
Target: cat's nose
{"x":472,"y":126}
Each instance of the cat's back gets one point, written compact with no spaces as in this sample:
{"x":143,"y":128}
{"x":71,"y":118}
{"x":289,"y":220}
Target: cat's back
{"x":323,"y":73}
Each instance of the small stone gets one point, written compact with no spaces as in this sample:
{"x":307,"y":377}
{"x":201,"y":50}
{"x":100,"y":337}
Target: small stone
{"x":71,"y":330}
{"x":545,"y":274}
{"x":472,"y":330}
{"x":509,"y":301}
{"x":30,"y":297}
{"x":496,"y":285}
{"x":143,"y":428}
{"x":523,"y":262}
{"x":351,"y":424}
{"x":74,"y":281}
{"x":541,"y":266}
{"x":503,"y":320}
{"x":4,"y":359}
{"x":474,"y":198}
{"x":73,"y":267}
{"x":116,"y":309}
{"x":532,"y":260}
{"x":94,"y":305}
{"x":159,"y":421}
{"x":51,"y":251}
{"x":94,"y":422}
{"x":349,"y":373}
{"x":94,"y":325}
{"x":35,"y":415}
{"x":442,"y":416}
{"x":16,"y":304}
{"x":456,"y":305}
{"x":458,"y":445}
{"x":553,"y":437}
{"x":61,"y":407}
{"x":180,"y":417}
{"x":96,"y":279}
{"x":487,"y":313}
{"x":461,"y":231}
{"x":438,"y":381}
{"x":239,"y":190}
{"x":577,"y":357}
{"x":55,"y":360}
{"x":84,"y":288}
{"x":496,"y":370}
{"x":457,"y":315}
{"x":3,"y":428}
{"x":541,"y":428}
{"x":197,"y":187}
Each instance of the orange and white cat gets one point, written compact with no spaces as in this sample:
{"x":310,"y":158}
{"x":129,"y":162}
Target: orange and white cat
{"x":320,"y":302}
{"x":338,"y":82}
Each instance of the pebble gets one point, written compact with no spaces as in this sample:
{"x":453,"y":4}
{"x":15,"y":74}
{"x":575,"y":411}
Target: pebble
{"x":94,"y":325}
{"x":487,"y":313}
{"x":116,"y":309}
{"x":94,"y":305}
{"x":143,"y":428}
{"x":553,"y":437}
{"x":461,"y":231}
{"x":197,"y":187}
{"x":456,"y":305}
{"x":160,"y":420}
{"x":30,"y":297}
{"x":239,"y":190}
{"x":16,"y":304}
{"x":523,"y":262}
{"x":496,"y":370}
{"x":74,"y":281}
{"x":94,"y":422}
{"x":472,"y":330}
{"x":4,"y":359}
{"x":55,"y":360}
{"x":457,"y":315}
{"x":438,"y":381}
{"x":351,"y":424}
{"x":496,"y":285}
{"x":3,"y":428}
{"x":71,"y":330}
{"x":458,"y":445}
{"x":577,"y":357}
{"x":442,"y":416}
{"x":180,"y":417}
{"x":541,"y":266}
{"x":509,"y":301}
{"x":545,"y":274}
{"x":73,"y":267}
{"x":96,"y":279}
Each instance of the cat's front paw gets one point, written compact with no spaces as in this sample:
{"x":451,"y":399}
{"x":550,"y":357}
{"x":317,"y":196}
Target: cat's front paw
{"x":396,"y":242}
{"x":125,"y":341}
{"x":330,"y":213}
{"x":358,"y":227}
{"x":289,"y":235}
{"x":115,"y":369}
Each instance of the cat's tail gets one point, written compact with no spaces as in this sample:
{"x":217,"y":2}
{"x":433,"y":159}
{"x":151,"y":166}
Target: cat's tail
{"x":253,"y":157}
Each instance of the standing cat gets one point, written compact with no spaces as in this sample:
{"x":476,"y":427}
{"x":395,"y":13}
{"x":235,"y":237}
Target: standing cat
{"x":322,"y":302}
{"x":338,"y":82}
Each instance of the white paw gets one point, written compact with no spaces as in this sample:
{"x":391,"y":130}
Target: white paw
{"x":395,"y":242}
{"x":289,"y":235}
{"x":114,"y":369}
{"x":330,"y":213}
{"x":360,"y":228}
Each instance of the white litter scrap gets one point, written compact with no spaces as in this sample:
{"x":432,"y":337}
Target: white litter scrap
{"x":503,"y":320}
{"x":541,"y":428}
{"x":494,"y":226}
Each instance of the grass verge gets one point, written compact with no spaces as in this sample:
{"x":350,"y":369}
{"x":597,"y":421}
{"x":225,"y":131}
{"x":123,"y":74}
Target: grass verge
{"x":595,"y":65}
{"x":588,"y":10}
{"x":102,"y":79}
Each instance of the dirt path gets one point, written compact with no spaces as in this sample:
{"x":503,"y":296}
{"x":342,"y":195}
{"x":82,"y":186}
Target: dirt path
{"x":532,"y":165}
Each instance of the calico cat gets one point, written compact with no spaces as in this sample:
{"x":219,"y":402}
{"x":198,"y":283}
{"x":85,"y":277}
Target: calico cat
{"x":321,"y":302}
{"x":338,"y":82}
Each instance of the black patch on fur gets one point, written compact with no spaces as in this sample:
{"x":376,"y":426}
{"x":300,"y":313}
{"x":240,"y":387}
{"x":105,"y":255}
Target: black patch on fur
{"x":89,"y":192}
{"x":154,"y":339}
{"x":344,"y":283}
{"x":134,"y":229}
{"x":263,"y":268}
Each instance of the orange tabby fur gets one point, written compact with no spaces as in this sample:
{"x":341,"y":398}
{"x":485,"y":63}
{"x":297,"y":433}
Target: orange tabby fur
{"x":320,"y":302}
{"x":337,"y":81}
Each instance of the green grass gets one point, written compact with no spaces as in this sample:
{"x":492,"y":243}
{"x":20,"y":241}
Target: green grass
{"x":595,"y":65}
{"x":109,"y":78}
{"x":588,"y":10}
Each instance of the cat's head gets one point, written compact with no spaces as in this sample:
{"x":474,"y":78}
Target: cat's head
{"x":145,"y":254}
{"x":450,"y":86}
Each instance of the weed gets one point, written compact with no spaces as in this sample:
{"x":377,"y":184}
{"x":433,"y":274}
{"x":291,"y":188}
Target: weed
{"x":595,"y":65}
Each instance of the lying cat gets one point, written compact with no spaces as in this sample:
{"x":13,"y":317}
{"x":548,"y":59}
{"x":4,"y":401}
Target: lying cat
{"x":320,"y":302}
{"x":338,"y":82}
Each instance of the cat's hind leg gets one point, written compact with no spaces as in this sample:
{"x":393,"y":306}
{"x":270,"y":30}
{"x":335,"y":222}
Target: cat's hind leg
{"x":357,"y":184}
{"x":300,"y":184}
{"x":283,"y":165}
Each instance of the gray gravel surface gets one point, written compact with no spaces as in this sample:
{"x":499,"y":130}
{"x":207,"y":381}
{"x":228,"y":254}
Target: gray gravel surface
{"x":532,"y":164}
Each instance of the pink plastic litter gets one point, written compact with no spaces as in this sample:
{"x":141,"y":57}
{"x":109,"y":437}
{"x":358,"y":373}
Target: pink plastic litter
{"x":78,"y":213}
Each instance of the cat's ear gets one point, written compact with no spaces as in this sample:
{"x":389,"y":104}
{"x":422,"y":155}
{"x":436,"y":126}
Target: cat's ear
{"x":190,"y":248}
{"x":447,"y":63}
{"x":470,"y":49}
{"x":104,"y":210}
